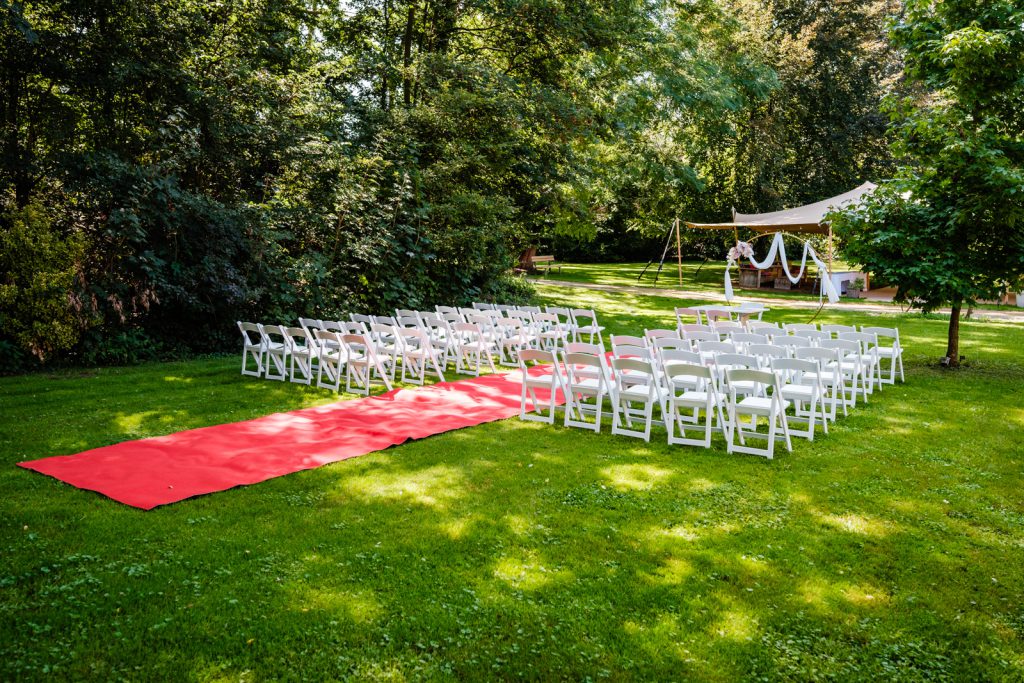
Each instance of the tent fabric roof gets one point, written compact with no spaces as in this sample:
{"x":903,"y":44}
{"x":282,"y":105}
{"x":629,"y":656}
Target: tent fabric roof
{"x":806,"y":219}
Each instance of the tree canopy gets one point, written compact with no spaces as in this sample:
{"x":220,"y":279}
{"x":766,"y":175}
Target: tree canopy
{"x":203,"y":162}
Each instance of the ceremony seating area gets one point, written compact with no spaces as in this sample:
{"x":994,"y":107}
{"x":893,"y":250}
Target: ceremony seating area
{"x":717,"y":369}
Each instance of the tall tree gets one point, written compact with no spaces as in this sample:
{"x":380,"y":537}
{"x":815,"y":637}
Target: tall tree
{"x":950,"y":227}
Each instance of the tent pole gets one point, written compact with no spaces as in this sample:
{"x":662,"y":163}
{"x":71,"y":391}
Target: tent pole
{"x":830,"y":249}
{"x":679,"y":253}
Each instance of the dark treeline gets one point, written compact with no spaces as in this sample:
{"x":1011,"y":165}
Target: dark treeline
{"x":168,"y":167}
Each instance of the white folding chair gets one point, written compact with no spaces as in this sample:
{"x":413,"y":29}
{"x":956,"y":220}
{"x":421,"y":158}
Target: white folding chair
{"x":472,"y":348}
{"x":512,"y":339}
{"x":552,"y":382}
{"x":252,"y":347}
{"x":687,"y":312}
{"x":388,"y":346}
{"x":769,"y":405}
{"x":813,"y":336}
{"x":892,"y":351}
{"x":565,"y":321}
{"x":332,"y":357}
{"x":727,"y":327}
{"x":834,"y":330}
{"x":418,"y":356}
{"x":276,"y":342}
{"x":869,"y":357}
{"x":709,"y":349}
{"x":796,"y":327}
{"x":585,"y":389}
{"x":362,"y":364}
{"x":766,"y":352}
{"x":762,"y":327}
{"x":829,"y":376}
{"x":584,"y":323}
{"x":651,"y":335}
{"x":364,"y":320}
{"x":743,"y":340}
{"x":550,"y":333}
{"x":851,"y":367}
{"x":302,"y":353}
{"x":692,"y":389}
{"x":802,"y":386}
{"x":635,"y":397}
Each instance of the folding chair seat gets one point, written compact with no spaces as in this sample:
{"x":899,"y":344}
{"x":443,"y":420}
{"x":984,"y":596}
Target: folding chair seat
{"x":829,"y":376}
{"x":472,"y":349}
{"x":252,"y":347}
{"x":302,"y":354}
{"x":635,"y":397}
{"x":768,"y":405}
{"x":803,"y":388}
{"x":276,"y":342}
{"x":892,"y":351}
{"x":362,"y":364}
{"x":551,"y":381}
{"x":692,"y":389}
{"x":851,"y":366}
{"x":585,"y":390}
{"x":418,"y":356}
{"x":683,"y":329}
{"x":584,"y":324}
{"x":332,"y":356}
{"x":869,"y":357}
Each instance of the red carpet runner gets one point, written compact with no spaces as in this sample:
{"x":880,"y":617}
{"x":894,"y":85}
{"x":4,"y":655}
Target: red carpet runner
{"x":166,"y":469}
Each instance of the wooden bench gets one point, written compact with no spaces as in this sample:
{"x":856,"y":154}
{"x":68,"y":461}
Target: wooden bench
{"x":529,"y":262}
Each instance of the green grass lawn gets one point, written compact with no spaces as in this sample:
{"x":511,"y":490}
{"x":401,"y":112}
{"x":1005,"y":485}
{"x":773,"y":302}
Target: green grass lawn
{"x":891,"y":549}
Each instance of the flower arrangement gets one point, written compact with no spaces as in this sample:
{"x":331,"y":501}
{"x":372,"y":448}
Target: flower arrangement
{"x":741,"y":250}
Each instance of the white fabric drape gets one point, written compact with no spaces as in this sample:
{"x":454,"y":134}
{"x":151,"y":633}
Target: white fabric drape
{"x":779,"y":249}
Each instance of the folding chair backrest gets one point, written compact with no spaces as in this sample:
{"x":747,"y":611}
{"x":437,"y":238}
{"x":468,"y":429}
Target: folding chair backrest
{"x":822,"y":356}
{"x":560,"y":311}
{"x":405,"y":313}
{"x":441,"y":310}
{"x":504,"y":308}
{"x":385,"y":320}
{"x":409,"y":321}
{"x":727,"y":326}
{"x":843,"y":345}
{"x":633,"y":351}
{"x":835,"y":330}
{"x":311,"y":324}
{"x":686,"y":311}
{"x":415,"y":337}
{"x":538,"y":356}
{"x":794,"y":327}
{"x":582,"y":347}
{"x":762,"y":377}
{"x":482,"y":306}
{"x":691,"y":327}
{"x":813,"y":335}
{"x":738,"y":360}
{"x":251,"y":332}
{"x":701,"y":336}
{"x":883,"y":332}
{"x":327,"y":338}
{"x":298,"y":338}
{"x":748,"y":338}
{"x":360,"y":318}
{"x":689,"y":370}
{"x":652,"y":335}
{"x":866,"y":340}
{"x":360,"y":343}
{"x":765,"y":352}
{"x":328,"y":325}
{"x":627,"y":339}
{"x":757,"y":325}
{"x":530,"y":309}
{"x":583,"y":317}
{"x":791,"y":341}
{"x":271,"y":331}
{"x":352,"y":328}
{"x":714,"y":314}
{"x":546,"y":319}
{"x":670,"y":357}
{"x":634,"y":366}
{"x":666,"y":343}
{"x":585,"y":359}
{"x":716,"y":347}
{"x":792,"y":370}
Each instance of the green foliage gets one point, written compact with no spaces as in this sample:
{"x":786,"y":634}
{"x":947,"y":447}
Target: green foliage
{"x":38,"y":268}
{"x":950,"y":228}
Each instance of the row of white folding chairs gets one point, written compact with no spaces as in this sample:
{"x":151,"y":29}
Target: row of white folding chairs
{"x":709,"y":314}
{"x":726,"y":387}
{"x":563,"y":324}
{"x":884,"y":341}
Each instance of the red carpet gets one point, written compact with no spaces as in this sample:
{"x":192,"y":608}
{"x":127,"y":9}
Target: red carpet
{"x":166,"y":469}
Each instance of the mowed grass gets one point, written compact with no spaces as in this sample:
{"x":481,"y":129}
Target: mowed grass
{"x":891,"y":549}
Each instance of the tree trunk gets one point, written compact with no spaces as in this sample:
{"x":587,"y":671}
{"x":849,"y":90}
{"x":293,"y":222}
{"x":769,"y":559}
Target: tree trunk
{"x":407,"y":57}
{"x":953,"y":341}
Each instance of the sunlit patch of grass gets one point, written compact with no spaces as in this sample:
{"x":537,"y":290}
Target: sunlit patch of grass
{"x":855,"y":524}
{"x":635,"y":477}
{"x":434,"y":487}
{"x":528,"y":573}
{"x":735,"y":624}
